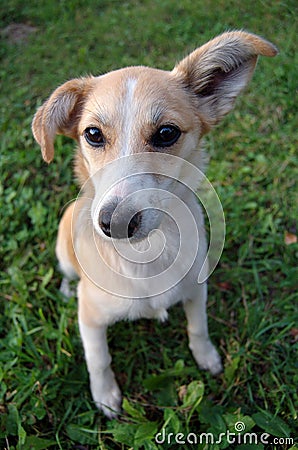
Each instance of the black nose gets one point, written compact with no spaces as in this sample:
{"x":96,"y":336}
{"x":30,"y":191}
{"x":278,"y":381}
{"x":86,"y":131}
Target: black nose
{"x":120,"y":224}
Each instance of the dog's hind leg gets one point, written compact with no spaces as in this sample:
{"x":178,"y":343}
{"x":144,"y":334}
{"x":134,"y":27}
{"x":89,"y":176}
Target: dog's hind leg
{"x":65,"y":251}
{"x":203,"y":351}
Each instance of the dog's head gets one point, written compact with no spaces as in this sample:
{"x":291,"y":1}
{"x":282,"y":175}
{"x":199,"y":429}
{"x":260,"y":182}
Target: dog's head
{"x":140,"y":110}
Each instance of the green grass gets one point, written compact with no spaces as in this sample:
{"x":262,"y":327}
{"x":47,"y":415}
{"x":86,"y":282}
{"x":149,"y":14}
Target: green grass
{"x":44,"y":396}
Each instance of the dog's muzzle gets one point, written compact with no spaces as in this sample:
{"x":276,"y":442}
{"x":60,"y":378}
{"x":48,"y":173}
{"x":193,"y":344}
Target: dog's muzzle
{"x":117,"y":221}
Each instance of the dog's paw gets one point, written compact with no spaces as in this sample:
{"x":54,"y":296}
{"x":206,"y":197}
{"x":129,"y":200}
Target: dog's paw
{"x":210,"y":361}
{"x":106,"y":394}
{"x":110,"y":403}
{"x":206,"y":355}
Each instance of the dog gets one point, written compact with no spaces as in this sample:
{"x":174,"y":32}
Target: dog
{"x":136,"y":128}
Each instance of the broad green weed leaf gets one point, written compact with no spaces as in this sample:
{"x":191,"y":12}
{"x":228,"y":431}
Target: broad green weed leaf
{"x":236,"y":422}
{"x":211,"y":414}
{"x":149,"y":445}
{"x":134,"y":435}
{"x":271,"y":424}
{"x":179,"y":365}
{"x":36,"y":443}
{"x":81,"y":435}
{"x":145,"y":433}
{"x":231,"y":369}
{"x":123,"y":433}
{"x":137,"y":414}
{"x":194,"y":394}
{"x":172,"y":422}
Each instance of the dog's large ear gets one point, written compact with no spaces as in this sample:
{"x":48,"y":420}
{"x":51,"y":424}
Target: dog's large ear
{"x":60,"y":115}
{"x":219,"y":70}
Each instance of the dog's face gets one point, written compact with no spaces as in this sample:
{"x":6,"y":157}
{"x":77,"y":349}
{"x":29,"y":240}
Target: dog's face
{"x":134,"y":111}
{"x":141,"y":111}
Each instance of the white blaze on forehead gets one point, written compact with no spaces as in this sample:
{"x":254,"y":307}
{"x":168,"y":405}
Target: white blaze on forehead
{"x":128,"y":116}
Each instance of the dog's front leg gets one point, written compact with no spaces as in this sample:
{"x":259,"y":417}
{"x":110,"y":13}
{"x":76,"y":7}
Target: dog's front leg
{"x":104,"y":388}
{"x":203,"y":351}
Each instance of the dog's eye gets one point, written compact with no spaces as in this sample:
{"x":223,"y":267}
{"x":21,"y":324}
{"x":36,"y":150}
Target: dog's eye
{"x":166,"y":136}
{"x":94,"y":137}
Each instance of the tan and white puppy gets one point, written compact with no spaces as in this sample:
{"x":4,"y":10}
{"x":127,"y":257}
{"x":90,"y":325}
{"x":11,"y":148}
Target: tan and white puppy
{"x":129,"y":122}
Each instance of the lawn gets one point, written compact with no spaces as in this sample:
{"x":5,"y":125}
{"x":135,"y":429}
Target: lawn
{"x":44,"y":395}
